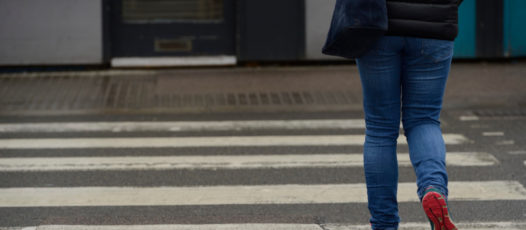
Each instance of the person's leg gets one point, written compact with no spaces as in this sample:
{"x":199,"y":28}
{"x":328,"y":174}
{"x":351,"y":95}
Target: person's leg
{"x":426,"y":65}
{"x":380,"y":77}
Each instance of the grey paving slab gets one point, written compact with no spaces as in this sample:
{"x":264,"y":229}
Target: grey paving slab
{"x":230,"y":90}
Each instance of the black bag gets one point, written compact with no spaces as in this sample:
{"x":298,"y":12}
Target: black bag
{"x":356,"y":25}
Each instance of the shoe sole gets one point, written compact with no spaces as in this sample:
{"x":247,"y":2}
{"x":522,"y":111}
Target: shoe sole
{"x":436,"y":210}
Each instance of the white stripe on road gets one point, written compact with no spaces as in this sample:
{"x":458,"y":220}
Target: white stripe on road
{"x":265,"y":226}
{"x":425,"y":226}
{"x":175,"y":227}
{"x":469,"y":118}
{"x":518,"y":152}
{"x":259,"y":194}
{"x":219,"y":162}
{"x":505,"y":142}
{"x":493,"y":134}
{"x":167,"y":126}
{"x":177,"y":142}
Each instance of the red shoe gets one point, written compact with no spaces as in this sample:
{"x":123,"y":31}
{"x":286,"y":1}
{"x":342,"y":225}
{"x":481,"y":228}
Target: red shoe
{"x":436,"y":210}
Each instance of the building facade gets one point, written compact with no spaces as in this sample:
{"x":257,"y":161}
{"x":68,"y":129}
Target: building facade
{"x":210,"y":32}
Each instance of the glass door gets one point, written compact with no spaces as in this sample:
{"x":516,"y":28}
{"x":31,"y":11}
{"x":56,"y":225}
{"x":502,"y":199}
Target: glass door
{"x":150,"y":28}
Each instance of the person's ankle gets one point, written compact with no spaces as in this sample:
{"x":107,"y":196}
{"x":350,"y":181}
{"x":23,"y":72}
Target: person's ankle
{"x":431,"y":189}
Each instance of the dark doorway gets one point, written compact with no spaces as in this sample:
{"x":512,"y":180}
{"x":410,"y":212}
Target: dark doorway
{"x":152,"y":28}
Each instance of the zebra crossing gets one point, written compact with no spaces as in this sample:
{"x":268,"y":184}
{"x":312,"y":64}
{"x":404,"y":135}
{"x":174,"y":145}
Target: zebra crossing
{"x":204,"y":135}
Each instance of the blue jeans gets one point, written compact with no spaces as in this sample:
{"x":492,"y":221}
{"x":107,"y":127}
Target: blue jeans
{"x":403,"y":77}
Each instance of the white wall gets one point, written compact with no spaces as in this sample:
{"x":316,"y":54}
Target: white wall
{"x":47,"y":32}
{"x":318,"y":20}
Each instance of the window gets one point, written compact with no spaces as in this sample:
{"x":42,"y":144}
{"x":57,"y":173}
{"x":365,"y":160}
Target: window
{"x":167,"y":11}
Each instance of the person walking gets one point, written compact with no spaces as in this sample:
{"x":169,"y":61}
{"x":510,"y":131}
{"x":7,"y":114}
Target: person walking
{"x":403,"y":77}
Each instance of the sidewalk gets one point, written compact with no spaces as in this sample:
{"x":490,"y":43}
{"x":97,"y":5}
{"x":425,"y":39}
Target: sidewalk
{"x":223,"y":90}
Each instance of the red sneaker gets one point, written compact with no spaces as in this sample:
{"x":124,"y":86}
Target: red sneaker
{"x":436,"y":210}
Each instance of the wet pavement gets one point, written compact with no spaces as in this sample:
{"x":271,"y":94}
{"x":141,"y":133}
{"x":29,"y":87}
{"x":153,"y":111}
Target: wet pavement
{"x":476,"y":86}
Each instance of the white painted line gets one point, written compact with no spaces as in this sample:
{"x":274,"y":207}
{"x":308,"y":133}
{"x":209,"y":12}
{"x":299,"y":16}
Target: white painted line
{"x":469,"y":118}
{"x":219,"y":162}
{"x":406,"y":226}
{"x":247,"y":226}
{"x":505,"y":142}
{"x":271,"y":226}
{"x":178,"y":142}
{"x":425,"y":226}
{"x":173,"y":61}
{"x":493,"y":134}
{"x":518,"y":152}
{"x":259,"y":194}
{"x":469,"y":159}
{"x":59,"y":127}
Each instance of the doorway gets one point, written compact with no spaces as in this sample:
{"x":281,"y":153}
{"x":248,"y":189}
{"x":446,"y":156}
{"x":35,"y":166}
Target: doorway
{"x":160,"y":28}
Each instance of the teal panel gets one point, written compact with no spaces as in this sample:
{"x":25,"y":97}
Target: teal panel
{"x":514,"y":28}
{"x":465,"y":44}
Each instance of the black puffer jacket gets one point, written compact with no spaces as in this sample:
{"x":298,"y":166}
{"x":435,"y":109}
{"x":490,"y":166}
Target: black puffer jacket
{"x":423,"y":18}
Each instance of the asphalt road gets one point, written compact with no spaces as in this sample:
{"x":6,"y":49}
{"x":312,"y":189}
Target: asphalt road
{"x":241,"y":148}
{"x":501,"y":136}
